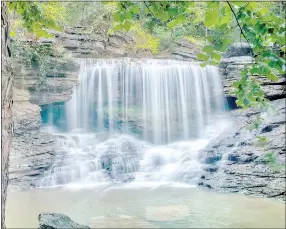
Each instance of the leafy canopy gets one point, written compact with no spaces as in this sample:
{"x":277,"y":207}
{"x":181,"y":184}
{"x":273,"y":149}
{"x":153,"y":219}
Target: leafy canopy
{"x":37,"y":17}
{"x":259,"y":24}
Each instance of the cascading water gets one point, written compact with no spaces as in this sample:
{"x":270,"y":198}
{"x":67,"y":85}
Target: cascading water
{"x":143,"y":120}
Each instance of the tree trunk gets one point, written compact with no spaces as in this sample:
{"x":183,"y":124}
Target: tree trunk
{"x":6,"y":102}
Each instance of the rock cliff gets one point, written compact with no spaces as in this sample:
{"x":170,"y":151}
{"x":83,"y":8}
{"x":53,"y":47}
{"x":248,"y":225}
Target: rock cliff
{"x":251,"y":162}
{"x":234,"y":60}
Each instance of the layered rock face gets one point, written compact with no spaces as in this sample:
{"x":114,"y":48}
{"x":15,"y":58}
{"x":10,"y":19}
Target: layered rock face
{"x":32,"y":150}
{"x":82,"y":45}
{"x":240,"y":160}
{"x":6,"y":106}
{"x":235,"y":59}
{"x":252,"y":162}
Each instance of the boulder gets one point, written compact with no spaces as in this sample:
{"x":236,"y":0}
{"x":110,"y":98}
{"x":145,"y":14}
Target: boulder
{"x":57,"y":221}
{"x":238,"y":49}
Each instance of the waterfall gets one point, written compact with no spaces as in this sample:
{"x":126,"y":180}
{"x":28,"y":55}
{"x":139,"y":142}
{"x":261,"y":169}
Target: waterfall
{"x":138,"y":119}
{"x":163,"y":100}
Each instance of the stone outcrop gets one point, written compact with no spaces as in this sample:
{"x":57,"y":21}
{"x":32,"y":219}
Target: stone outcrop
{"x":6,"y":108}
{"x":57,"y":84}
{"x":82,"y":45}
{"x":251,"y":162}
{"x":32,"y":150}
{"x":57,"y":221}
{"x":234,"y":60}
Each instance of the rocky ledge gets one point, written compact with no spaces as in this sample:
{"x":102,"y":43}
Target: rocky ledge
{"x":250,"y":162}
{"x":234,"y":60}
{"x":32,"y":150}
{"x":83,"y":45}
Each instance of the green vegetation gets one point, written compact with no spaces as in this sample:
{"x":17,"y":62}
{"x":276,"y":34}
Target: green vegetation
{"x":261,"y":141}
{"x":36,"y":17}
{"x":29,"y":22}
{"x":272,"y":162}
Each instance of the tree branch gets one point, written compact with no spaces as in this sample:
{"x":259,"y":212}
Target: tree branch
{"x":237,"y":22}
{"x":151,"y":11}
{"x":162,"y":23}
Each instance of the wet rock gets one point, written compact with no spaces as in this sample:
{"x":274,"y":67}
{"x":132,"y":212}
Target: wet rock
{"x":247,"y":158}
{"x":205,"y":185}
{"x":211,"y":169}
{"x":268,"y":128}
{"x":248,"y":170}
{"x":212,"y":159}
{"x":233,"y":157}
{"x":238,"y":49}
{"x":57,"y":221}
{"x":32,"y":151}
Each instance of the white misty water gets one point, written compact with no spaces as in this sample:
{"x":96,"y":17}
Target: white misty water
{"x":168,"y":100}
{"x":139,"y":120}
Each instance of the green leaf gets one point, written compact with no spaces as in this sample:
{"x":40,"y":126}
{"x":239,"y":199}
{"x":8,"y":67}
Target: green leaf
{"x":208,"y":49}
{"x":173,"y":11}
{"x":272,"y":77}
{"x":203,"y":65}
{"x":218,"y":46}
{"x":135,"y":9}
{"x":128,"y":15}
{"x":253,"y":5}
{"x":177,"y":21}
{"x":147,"y":11}
{"x":12,"y":33}
{"x":116,"y":16}
{"x":236,"y":84}
{"x":239,"y":103}
{"x":127,"y":25}
{"x":238,"y":3}
{"x":216,"y":56}
{"x":202,"y":56}
{"x":211,"y":18}
{"x":117,"y":27}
